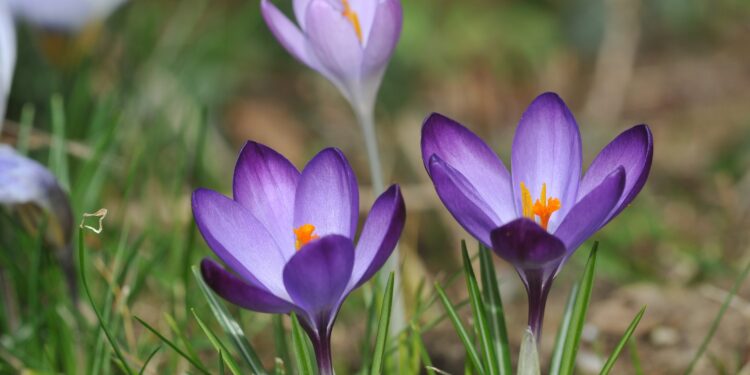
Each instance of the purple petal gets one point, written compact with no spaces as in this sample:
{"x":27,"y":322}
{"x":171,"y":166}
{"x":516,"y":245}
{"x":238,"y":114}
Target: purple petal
{"x":265,"y":183}
{"x":333,"y":40}
{"x":316,"y":277}
{"x":300,"y":8}
{"x":633,"y":150}
{"x":470,"y":156}
{"x":327,"y":195}
{"x":379,"y":235}
{"x":462,"y":200}
{"x":286,"y":32}
{"x":527,"y":246}
{"x":239,"y":239}
{"x":240,"y":292}
{"x":382,"y":38}
{"x":547,"y":149}
{"x":591,"y":212}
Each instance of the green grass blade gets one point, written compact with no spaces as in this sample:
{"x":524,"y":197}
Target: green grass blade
{"x":280,"y":340}
{"x":471,"y":352}
{"x":493,"y":304}
{"x":230,"y":326}
{"x":174,"y":347}
{"x":715,"y":324}
{"x":382,"y":336}
{"x":58,"y":159}
{"x":303,"y":357}
{"x":583,"y":297}
{"x":624,"y":340}
{"x":480,"y":318}
{"x":84,"y":281}
{"x":635,"y":360}
{"x":24,"y":133}
{"x":218,"y":345}
{"x":562,"y":332}
{"x":148,"y":360}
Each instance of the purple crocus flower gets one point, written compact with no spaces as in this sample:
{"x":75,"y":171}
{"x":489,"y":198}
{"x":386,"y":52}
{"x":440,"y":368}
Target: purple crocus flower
{"x":498,"y":207}
{"x":289,"y":237}
{"x":348,"y":41}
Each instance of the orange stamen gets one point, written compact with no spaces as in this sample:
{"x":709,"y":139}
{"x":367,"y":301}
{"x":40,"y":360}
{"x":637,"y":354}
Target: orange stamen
{"x":303,"y":235}
{"x":543,"y":207}
{"x":353,"y":18}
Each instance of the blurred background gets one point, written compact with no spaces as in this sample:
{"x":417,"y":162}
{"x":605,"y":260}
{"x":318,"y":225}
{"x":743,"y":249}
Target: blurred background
{"x":134,"y":112}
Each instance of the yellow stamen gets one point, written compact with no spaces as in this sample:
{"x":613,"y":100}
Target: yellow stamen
{"x":353,"y":18}
{"x":526,"y":202}
{"x":303,"y":235}
{"x":543,"y":207}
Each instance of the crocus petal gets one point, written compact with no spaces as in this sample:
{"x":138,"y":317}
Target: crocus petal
{"x":382,"y":38}
{"x":526,"y":245}
{"x":379,"y":235}
{"x":470,"y":156}
{"x":316,"y":277}
{"x":239,"y":239}
{"x":7,"y":56}
{"x":633,"y":150}
{"x":265,"y":183}
{"x":300,"y":8}
{"x":333,"y":40}
{"x":591,"y":212}
{"x":286,"y":32}
{"x":327,"y":195}
{"x":463,"y":200}
{"x":240,"y":292}
{"x":547,"y":150}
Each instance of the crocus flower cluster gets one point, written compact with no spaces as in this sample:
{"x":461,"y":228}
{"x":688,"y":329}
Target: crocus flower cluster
{"x":289,"y":238}
{"x":348,"y":41}
{"x":538,"y":215}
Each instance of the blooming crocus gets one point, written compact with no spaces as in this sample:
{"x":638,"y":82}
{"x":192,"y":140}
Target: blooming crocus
{"x":348,"y":41}
{"x":538,"y":215}
{"x":7,"y":56}
{"x":289,"y":238}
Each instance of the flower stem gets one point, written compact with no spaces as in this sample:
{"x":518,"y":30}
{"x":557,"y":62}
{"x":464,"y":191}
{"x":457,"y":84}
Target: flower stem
{"x":366,"y":118}
{"x":537,"y":289}
{"x":323,"y":354}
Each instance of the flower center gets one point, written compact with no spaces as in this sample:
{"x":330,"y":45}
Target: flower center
{"x":303,"y":235}
{"x":353,"y":18}
{"x":543,"y":207}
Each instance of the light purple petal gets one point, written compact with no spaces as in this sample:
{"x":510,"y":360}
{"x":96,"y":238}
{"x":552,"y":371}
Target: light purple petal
{"x":240,"y":292}
{"x":316,"y":277}
{"x":527,"y":246}
{"x":366,"y":13}
{"x":287,"y":33}
{"x":239,"y":239}
{"x":458,"y":147}
{"x":65,"y":15}
{"x":334,"y":41}
{"x":633,"y":150}
{"x":382,"y":38}
{"x":300,"y":8}
{"x":379,"y":235}
{"x":591,"y":212}
{"x":7,"y":56}
{"x":265,"y":183}
{"x":462,"y":200}
{"x":547,"y":149}
{"x":327,"y":195}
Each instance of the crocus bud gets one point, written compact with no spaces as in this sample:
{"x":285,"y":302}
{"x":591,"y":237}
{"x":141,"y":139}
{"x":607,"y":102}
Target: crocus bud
{"x":348,"y":41}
